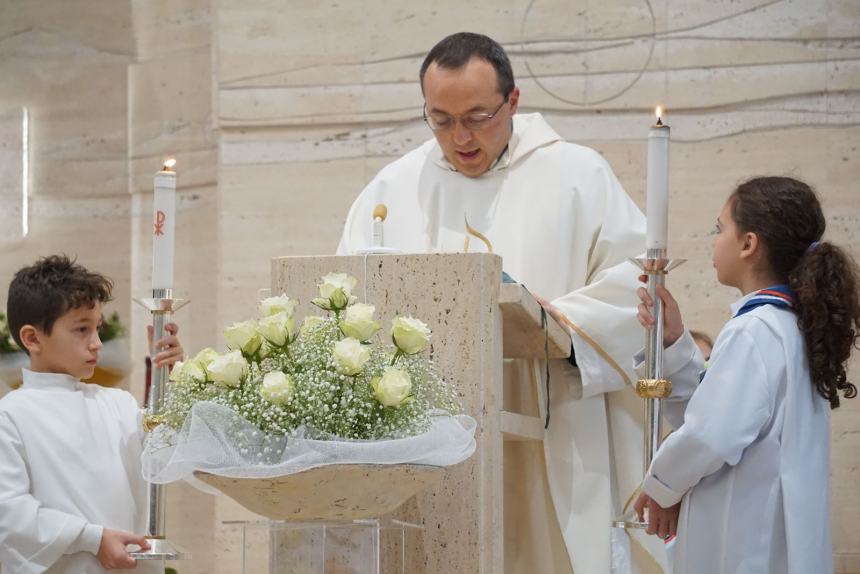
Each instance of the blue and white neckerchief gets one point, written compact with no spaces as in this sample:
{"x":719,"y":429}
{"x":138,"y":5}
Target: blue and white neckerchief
{"x":777,"y":295}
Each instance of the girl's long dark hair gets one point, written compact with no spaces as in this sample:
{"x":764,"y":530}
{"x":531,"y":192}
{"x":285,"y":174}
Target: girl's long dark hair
{"x":786,"y":216}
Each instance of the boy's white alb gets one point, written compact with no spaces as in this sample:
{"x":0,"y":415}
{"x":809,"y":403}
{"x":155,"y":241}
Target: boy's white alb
{"x":70,"y":465}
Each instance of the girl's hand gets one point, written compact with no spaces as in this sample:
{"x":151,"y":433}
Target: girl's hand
{"x":673,"y":325}
{"x":661,"y":521}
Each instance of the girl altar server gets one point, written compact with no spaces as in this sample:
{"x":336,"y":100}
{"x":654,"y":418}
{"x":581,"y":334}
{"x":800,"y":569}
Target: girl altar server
{"x":744,"y":478}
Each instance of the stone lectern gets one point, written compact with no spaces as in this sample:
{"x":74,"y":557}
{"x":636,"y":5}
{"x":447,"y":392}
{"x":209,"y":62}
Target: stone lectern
{"x":479,"y":326}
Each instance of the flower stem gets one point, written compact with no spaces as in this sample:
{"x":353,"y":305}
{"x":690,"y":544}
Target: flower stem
{"x":397,"y":355}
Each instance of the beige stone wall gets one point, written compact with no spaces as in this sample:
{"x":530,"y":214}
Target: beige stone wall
{"x":280,"y":112}
{"x":67,"y":65}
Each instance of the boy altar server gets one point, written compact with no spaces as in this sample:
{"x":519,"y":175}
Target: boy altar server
{"x":71,"y":490}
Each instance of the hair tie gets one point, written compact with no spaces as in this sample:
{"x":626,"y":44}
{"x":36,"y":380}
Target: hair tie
{"x":812,"y":246}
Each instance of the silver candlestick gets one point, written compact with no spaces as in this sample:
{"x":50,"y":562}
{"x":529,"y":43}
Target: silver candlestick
{"x":654,"y":387}
{"x":161,"y":305}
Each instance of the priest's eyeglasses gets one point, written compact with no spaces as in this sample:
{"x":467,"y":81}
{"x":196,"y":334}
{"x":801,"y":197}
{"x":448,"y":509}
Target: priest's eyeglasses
{"x":473,"y":121}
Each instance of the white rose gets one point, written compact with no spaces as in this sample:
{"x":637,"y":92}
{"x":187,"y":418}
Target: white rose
{"x":176,"y":372}
{"x":392,"y":389}
{"x":334,"y":281}
{"x":187,"y":370}
{"x":409,"y":335}
{"x":277,"y":387}
{"x":277,"y":329}
{"x":243,"y":336}
{"x":358,"y":322}
{"x":228,"y":369}
{"x":310,"y":322}
{"x":204,"y":358}
{"x":279,"y":304}
{"x":350,"y":356}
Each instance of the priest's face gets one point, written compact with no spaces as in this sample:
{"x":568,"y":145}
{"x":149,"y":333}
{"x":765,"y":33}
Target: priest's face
{"x":454,"y":96}
{"x":73,"y":345}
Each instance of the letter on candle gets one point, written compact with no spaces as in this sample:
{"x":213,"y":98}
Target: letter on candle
{"x":657,"y":190}
{"x":163,"y":215}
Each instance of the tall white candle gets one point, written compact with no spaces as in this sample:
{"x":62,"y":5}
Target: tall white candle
{"x":657,"y":190}
{"x":163,"y":215}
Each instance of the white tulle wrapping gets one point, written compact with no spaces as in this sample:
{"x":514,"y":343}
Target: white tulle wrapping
{"x":215,"y":440}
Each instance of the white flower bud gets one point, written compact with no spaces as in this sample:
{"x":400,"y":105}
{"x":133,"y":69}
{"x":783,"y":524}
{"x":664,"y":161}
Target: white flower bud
{"x":410,"y":335}
{"x":277,"y":387}
{"x":393,"y":388}
{"x":243,"y":336}
{"x":280,"y":304}
{"x":228,"y":369}
{"x":358,"y":322}
{"x":277,"y":329}
{"x":350,"y":356}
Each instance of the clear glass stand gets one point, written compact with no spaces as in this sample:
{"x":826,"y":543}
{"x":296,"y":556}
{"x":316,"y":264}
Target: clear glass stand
{"x":335,"y":547}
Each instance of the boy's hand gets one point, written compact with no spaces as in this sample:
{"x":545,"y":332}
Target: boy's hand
{"x":169,"y":348}
{"x":661,"y":521}
{"x":673,"y":325}
{"x":112,"y":550}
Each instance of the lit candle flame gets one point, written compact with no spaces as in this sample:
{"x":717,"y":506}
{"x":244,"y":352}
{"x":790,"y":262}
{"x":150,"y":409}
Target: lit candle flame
{"x":659,"y":113}
{"x":169,"y":163}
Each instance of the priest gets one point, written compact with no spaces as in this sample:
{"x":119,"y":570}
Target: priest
{"x":494,"y":180}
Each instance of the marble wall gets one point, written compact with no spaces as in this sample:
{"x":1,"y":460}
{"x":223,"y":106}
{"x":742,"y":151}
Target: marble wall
{"x":67,"y":65}
{"x":279,"y":113}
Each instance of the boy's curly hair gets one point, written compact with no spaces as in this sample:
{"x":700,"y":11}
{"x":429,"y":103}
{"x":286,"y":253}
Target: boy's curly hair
{"x":43,"y":292}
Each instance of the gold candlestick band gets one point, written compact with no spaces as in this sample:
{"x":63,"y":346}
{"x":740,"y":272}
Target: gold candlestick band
{"x":150,"y":422}
{"x":654,"y":388}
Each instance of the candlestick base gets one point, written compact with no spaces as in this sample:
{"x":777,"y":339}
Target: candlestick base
{"x":161,"y":549}
{"x":625,"y":524}
{"x":629,"y":520}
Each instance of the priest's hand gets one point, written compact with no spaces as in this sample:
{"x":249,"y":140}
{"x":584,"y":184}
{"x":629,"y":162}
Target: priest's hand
{"x":169,"y":348}
{"x":553,"y":312}
{"x":113,"y":552}
{"x":661,"y":521}
{"x":673,"y":325}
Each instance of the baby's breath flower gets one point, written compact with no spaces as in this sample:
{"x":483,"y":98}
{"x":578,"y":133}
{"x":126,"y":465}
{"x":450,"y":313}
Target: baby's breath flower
{"x":310,"y":393}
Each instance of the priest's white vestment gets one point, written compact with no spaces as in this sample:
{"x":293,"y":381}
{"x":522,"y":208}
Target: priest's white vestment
{"x":750,"y":458}
{"x":565,"y":228}
{"x":70,"y":467}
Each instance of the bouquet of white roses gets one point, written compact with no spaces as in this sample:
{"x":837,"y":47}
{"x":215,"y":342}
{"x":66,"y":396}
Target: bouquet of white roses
{"x":282,"y":390}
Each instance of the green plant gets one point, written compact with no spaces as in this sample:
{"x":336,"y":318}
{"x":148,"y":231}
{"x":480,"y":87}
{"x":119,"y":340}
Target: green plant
{"x":111,"y":328}
{"x":7,"y":343}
